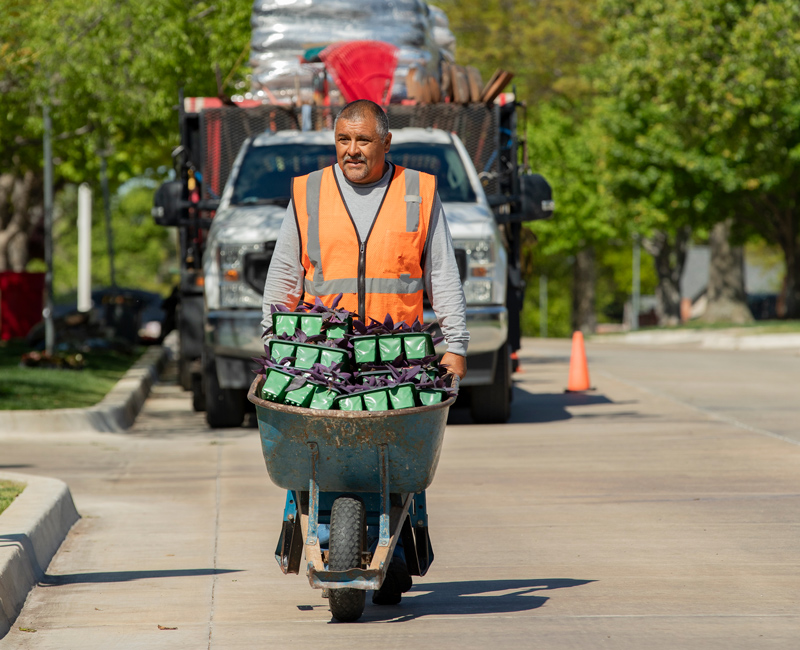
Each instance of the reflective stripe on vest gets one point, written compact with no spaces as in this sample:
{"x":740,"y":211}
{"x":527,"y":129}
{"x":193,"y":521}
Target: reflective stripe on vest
{"x":382,"y":275}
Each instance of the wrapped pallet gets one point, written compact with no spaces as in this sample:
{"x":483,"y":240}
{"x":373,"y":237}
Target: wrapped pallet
{"x":285,"y":31}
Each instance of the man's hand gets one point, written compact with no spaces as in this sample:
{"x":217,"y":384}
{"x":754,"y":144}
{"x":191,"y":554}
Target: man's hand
{"x":455,"y":364}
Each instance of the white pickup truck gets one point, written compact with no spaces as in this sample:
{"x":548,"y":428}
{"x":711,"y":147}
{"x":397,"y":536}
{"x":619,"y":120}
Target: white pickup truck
{"x":242,"y":237}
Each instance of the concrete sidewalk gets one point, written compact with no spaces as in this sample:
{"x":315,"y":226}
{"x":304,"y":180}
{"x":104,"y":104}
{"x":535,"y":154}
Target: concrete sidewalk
{"x":622,"y":518}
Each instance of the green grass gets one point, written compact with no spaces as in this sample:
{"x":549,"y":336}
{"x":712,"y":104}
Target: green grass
{"x":42,"y":388}
{"x":8,"y":492}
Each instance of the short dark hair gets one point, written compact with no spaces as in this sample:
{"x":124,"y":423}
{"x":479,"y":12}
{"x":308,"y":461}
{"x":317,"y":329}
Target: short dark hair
{"x":359,"y":109}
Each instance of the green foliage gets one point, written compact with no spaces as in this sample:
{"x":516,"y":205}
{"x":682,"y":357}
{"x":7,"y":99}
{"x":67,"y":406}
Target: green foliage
{"x":545,"y":44}
{"x":111,"y":73}
{"x":566,"y":146}
{"x":704,"y":115}
{"x":144,"y":252}
{"x":558,"y":270}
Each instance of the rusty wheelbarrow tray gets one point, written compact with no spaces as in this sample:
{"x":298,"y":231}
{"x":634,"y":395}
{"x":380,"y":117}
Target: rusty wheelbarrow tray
{"x":386,"y":459}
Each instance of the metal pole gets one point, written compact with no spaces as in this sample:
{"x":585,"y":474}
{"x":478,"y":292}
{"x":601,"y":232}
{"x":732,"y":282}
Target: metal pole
{"x":543,"y":306}
{"x":107,"y":209}
{"x":84,"y":247}
{"x":47,"y":312}
{"x":636,"y":288}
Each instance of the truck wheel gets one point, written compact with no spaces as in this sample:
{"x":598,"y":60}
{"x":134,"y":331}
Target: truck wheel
{"x":492,"y":404}
{"x":224,"y":406}
{"x":348,"y":537}
{"x":198,"y":394}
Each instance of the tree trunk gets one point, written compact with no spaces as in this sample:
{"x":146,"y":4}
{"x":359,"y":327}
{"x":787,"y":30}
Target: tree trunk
{"x":15,"y":229}
{"x":584,"y":317}
{"x":669,"y":254}
{"x":791,"y":253}
{"x":725,"y":291}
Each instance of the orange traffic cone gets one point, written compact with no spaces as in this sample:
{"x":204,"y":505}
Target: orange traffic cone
{"x":578,"y":366}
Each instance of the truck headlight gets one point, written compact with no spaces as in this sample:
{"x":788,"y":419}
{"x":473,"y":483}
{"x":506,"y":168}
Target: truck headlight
{"x":485,"y":273}
{"x":233,"y":290}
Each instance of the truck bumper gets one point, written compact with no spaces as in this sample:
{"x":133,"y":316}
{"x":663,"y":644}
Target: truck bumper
{"x":488,"y":332}
{"x":234,"y":337}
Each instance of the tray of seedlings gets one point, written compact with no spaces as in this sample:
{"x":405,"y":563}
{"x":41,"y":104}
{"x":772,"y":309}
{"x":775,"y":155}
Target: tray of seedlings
{"x":325,"y":358}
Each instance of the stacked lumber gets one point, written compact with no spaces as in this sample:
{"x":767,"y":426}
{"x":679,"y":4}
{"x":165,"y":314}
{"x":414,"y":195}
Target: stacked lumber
{"x":459,"y":85}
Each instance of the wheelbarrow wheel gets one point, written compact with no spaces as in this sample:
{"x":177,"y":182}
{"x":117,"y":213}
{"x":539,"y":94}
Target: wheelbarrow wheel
{"x":347,"y":541}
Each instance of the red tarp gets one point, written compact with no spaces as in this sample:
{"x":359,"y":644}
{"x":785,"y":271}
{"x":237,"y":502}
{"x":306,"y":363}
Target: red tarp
{"x":21,"y":301}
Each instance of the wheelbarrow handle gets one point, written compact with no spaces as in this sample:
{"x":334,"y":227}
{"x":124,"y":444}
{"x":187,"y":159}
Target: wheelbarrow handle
{"x":455,"y":380}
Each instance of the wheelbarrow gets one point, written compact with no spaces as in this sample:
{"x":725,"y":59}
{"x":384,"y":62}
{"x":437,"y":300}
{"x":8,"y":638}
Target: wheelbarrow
{"x":351,"y":469}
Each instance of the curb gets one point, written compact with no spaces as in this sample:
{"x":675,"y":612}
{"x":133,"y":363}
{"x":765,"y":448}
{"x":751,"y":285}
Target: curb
{"x":114,"y":413}
{"x":31,"y":530}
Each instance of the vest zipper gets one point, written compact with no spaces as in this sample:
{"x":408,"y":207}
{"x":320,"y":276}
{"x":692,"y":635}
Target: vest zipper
{"x":362,"y":281}
{"x":362,"y":245}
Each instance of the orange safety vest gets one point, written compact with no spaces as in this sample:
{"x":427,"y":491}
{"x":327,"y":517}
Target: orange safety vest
{"x":381,"y":275}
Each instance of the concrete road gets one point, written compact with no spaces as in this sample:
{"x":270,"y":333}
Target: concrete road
{"x":661,"y":510}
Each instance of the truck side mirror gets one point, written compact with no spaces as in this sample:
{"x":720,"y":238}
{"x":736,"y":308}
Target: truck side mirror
{"x":166,"y":204}
{"x":536,"y":197}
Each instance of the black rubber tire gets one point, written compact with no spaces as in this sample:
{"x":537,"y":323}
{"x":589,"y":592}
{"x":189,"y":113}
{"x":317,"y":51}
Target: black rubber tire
{"x":224,"y":407}
{"x":198,"y":394}
{"x":492,"y":404}
{"x":348,"y":540}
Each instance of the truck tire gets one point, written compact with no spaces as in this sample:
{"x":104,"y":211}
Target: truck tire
{"x":184,"y":374}
{"x":347,"y":542}
{"x":224,"y":406}
{"x":198,"y":394}
{"x":492,"y":404}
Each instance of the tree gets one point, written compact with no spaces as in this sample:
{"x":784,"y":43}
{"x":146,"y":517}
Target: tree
{"x":703,"y":115}
{"x":567,"y":147}
{"x":545,"y":44}
{"x":111,"y":73}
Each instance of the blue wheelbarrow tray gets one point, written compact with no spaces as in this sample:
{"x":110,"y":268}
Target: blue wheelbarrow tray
{"x":385,"y":458}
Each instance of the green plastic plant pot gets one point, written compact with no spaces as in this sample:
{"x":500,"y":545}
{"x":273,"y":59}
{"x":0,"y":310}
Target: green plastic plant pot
{"x":350,"y":403}
{"x":324,"y":398}
{"x":275,"y":385}
{"x":301,"y":396}
{"x":376,"y":400}
{"x":417,"y":345}
{"x":431,"y":396}
{"x":365,"y":349}
{"x":284,"y":323}
{"x":390,"y":347}
{"x":402,"y":396}
{"x":307,"y":356}
{"x":280,"y":350}
{"x":311,"y":324}
{"x":336,"y":331}
{"x":331,"y":356}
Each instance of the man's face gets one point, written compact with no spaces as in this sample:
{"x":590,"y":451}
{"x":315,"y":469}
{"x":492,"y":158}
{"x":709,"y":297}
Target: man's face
{"x":360,"y":151}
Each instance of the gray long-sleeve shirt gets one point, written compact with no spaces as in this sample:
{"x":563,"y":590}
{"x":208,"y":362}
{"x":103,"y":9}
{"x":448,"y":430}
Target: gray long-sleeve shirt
{"x":284,"y":283}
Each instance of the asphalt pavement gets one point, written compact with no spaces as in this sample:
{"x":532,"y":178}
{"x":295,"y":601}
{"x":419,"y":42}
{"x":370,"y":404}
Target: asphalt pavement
{"x":660,"y":510}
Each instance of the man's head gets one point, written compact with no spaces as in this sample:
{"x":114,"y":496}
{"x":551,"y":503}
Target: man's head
{"x":362,"y":138}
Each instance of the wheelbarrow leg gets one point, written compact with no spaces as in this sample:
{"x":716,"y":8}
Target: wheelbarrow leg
{"x":309,"y":515}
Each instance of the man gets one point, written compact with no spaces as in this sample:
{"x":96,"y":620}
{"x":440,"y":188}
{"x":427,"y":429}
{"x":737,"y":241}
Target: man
{"x":376,"y":233}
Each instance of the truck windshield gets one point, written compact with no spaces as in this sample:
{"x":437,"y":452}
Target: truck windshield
{"x":266,"y":172}
{"x":441,"y":160}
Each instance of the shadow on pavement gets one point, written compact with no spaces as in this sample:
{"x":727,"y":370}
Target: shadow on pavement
{"x":126,"y":576}
{"x":470,"y":597}
{"x":533,"y":408}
